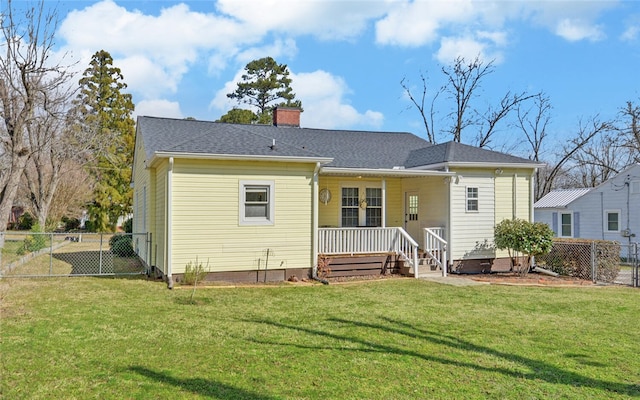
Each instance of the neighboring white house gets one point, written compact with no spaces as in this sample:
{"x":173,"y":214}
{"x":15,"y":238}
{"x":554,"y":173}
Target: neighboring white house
{"x":610,"y":211}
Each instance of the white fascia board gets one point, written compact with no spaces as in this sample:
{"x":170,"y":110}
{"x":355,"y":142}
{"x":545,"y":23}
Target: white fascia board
{"x":237,"y":157}
{"x":335,"y":171}
{"x":532,"y":165}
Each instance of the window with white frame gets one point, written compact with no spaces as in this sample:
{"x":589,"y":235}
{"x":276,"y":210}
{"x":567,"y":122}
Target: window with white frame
{"x":472,"y":199}
{"x":350,"y":204}
{"x":256,"y":203}
{"x":374,"y":207}
{"x":635,"y":187}
{"x":612,"y":220}
{"x":566,"y":225}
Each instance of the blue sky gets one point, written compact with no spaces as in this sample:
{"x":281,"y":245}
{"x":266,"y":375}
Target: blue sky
{"x":347,"y":58}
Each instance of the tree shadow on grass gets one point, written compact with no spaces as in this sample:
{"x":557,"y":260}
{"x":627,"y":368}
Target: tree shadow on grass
{"x":97,"y":263}
{"x":204,"y":387}
{"x":539,"y":370}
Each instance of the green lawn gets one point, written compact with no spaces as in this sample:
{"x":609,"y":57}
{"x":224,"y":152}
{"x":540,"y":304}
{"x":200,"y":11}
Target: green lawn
{"x":90,"y":338}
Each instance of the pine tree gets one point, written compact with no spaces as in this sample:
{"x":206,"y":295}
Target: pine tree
{"x":106,"y":110}
{"x":264,"y":83}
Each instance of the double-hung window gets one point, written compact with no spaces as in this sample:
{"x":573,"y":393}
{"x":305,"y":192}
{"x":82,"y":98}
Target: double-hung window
{"x":256,"y":203}
{"x":612,"y":221}
{"x":472,"y":199}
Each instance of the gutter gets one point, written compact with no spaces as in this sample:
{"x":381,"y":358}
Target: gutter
{"x":238,"y":157}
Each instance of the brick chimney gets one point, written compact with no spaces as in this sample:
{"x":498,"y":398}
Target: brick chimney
{"x":286,"y":116}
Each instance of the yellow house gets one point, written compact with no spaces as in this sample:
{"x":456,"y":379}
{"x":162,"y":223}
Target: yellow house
{"x":258,"y":202}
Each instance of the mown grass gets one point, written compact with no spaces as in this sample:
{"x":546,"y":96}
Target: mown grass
{"x":394,"y":339}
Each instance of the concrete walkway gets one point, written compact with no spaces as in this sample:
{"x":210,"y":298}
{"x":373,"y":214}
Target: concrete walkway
{"x":452,"y":280}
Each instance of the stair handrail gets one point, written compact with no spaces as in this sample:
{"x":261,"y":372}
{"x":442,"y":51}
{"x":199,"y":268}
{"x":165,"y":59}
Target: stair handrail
{"x":435,"y":246}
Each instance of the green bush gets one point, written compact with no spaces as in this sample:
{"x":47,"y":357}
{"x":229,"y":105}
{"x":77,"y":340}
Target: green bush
{"x":194,"y":273}
{"x":520,"y":236}
{"x":34,"y":242}
{"x":25,"y":222}
{"x":121,"y":245}
{"x":70,"y":224}
{"x":127,"y":226}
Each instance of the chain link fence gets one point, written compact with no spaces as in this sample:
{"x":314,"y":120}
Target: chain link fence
{"x":599,"y":261}
{"x":28,"y":254}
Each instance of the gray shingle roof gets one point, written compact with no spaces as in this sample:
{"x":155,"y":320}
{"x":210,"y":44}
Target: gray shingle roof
{"x":454,"y":152}
{"x":349,"y":149}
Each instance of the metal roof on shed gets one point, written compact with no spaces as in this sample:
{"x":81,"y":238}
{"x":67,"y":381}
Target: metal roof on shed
{"x":560,"y":198}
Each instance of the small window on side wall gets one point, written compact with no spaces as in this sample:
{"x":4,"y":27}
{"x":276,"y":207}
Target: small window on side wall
{"x":612,"y":220}
{"x":472,"y":199}
{"x":566,"y":225}
{"x":256,"y":205}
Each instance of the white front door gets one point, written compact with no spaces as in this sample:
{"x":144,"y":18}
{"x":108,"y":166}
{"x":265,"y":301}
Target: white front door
{"x":411,"y":220}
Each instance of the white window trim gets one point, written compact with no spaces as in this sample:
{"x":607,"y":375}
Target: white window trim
{"x":362,"y":190}
{"x":249,"y":221}
{"x":635,"y":187}
{"x":466,"y":199}
{"x":606,"y":220}
{"x":570,"y":214}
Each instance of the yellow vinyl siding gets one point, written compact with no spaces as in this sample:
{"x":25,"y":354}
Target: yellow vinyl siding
{"x":205,"y":214}
{"x":523,"y":194}
{"x":159,"y":238}
{"x":329,"y":214}
{"x":472,"y":232}
{"x":513,"y":199}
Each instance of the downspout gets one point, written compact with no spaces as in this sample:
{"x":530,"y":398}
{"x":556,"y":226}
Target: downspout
{"x":450,"y":227}
{"x":531,"y":210}
{"x":169,"y":222}
{"x":314,"y":235}
{"x":532,"y":194}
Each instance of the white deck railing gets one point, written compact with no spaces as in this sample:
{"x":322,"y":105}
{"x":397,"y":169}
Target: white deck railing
{"x":435,"y":246}
{"x":369,"y":241}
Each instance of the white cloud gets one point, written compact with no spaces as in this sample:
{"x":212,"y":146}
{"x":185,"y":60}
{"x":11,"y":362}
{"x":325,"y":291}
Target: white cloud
{"x":323,"y":19}
{"x":325,"y":106}
{"x":323,"y":97}
{"x":159,"y":108}
{"x":575,"y":30}
{"x":158,"y":49}
{"x":470,"y":47}
{"x":630,"y":34}
{"x":280,"y":48}
{"x":418,"y":23}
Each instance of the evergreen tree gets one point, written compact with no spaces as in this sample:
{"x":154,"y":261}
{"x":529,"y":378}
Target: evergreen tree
{"x":105,"y":110}
{"x":264,"y":83}
{"x":239,"y":116}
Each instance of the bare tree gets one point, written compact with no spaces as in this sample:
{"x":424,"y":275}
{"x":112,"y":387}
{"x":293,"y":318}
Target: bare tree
{"x":427,"y":115}
{"x":586,"y":132}
{"x":58,"y":146}
{"x":463,"y":83}
{"x":26,"y":81}
{"x":630,"y":130}
{"x":533,"y":121}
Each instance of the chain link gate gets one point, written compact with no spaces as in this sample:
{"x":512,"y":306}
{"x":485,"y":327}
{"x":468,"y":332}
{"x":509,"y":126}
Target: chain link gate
{"x":30,"y":254}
